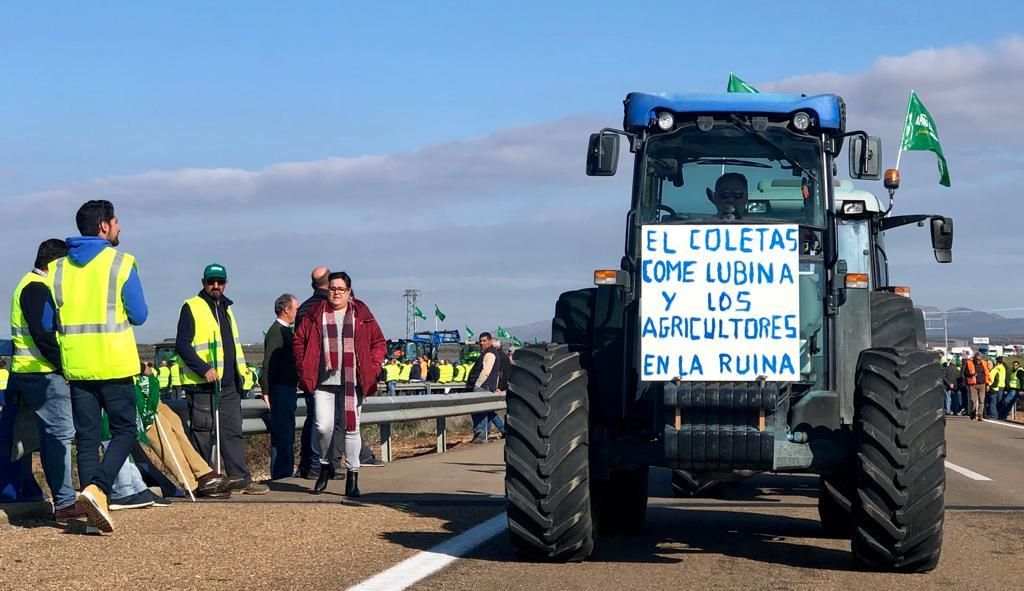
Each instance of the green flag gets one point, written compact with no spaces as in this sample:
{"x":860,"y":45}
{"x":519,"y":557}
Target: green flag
{"x":516,"y":342}
{"x":736,"y":84}
{"x":920,"y":133}
{"x":418,"y":313}
{"x":503,"y":334}
{"x":469,"y":332}
{"x":437,"y":312}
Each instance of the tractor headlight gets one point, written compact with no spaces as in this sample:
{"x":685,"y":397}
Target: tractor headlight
{"x":665,"y":121}
{"x":801,"y":121}
{"x":853,"y":207}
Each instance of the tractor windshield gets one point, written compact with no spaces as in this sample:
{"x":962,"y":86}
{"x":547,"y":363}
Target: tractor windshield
{"x":733,"y":172}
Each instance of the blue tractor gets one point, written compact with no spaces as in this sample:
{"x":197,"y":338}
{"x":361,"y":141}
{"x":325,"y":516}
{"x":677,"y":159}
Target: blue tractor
{"x":751,"y":326}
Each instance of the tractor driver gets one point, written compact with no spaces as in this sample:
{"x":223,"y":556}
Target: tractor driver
{"x":730,"y":196}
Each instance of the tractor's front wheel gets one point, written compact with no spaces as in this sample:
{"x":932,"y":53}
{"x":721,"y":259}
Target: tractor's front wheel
{"x":547,"y":469}
{"x":900,"y":433}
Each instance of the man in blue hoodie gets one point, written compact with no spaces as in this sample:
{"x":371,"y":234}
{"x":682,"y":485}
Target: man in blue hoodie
{"x":99,"y":299}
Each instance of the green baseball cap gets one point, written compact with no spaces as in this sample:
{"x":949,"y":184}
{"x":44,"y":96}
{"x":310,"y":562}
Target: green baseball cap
{"x":215,"y":271}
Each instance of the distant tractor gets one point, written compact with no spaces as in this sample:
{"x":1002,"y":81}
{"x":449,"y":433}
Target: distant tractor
{"x":752,"y":326}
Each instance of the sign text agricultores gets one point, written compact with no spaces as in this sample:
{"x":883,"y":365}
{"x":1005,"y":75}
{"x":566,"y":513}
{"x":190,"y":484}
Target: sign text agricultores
{"x":720,"y":302}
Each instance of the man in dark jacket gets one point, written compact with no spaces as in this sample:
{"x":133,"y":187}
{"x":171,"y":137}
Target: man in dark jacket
{"x":950,"y":375}
{"x":279,"y":382}
{"x":309,"y":454}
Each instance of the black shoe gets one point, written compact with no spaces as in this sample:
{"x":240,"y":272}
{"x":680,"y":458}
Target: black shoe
{"x":235,"y":483}
{"x":158,"y":501}
{"x":372,"y":463}
{"x":479,"y":439}
{"x":352,"y":485}
{"x":326,"y":472}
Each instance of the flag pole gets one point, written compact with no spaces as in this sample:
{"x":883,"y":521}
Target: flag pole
{"x":165,"y":442}
{"x":899,"y":154}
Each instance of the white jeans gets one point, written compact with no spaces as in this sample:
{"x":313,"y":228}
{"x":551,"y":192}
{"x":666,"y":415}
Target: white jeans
{"x":324,"y":420}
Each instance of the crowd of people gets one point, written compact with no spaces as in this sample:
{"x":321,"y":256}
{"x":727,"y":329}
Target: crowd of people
{"x":76,"y":368}
{"x":979,"y":388}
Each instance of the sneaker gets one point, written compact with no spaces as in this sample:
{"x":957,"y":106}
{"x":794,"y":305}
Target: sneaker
{"x":372,"y":463}
{"x":70,"y":512}
{"x":158,"y":501}
{"x":255,"y":488}
{"x":94,"y":502}
{"x":136,"y":501}
{"x":211,"y":482}
{"x":236,"y":483}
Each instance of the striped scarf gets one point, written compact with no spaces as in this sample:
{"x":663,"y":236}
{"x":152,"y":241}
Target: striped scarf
{"x":348,"y":356}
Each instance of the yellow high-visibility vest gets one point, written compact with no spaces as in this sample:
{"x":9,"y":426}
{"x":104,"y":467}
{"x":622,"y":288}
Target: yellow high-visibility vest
{"x":207,"y":332}
{"x":406,"y":372}
{"x":392,"y":372}
{"x":247,"y":381}
{"x":96,"y":340}
{"x":163,"y":374}
{"x":175,"y":375}
{"x":26,"y":358}
{"x":446,"y":373}
{"x":5,"y":375}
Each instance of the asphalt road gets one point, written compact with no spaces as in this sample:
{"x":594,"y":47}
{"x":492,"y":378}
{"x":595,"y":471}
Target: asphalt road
{"x":762,"y":534}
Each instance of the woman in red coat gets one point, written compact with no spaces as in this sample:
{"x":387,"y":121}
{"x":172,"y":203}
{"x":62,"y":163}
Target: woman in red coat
{"x":338,"y":348}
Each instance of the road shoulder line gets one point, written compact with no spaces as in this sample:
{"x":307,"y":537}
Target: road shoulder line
{"x":418,"y":567}
{"x":1004,"y":424}
{"x":968,"y":473}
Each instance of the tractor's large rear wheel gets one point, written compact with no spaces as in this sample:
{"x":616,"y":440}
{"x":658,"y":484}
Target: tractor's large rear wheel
{"x":899,"y":429}
{"x":895,"y":322}
{"x":547,"y":471}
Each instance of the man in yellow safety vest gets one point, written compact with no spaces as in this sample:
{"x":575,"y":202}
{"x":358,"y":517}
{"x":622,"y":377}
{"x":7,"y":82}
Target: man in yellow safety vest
{"x":98,"y":298}
{"x":175,"y":378}
{"x":163,"y":376}
{"x":213,"y":376}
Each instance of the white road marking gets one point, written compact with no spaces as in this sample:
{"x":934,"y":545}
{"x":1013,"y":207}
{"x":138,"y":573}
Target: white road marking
{"x":1004,"y":424}
{"x":411,"y":570}
{"x":968,"y":473}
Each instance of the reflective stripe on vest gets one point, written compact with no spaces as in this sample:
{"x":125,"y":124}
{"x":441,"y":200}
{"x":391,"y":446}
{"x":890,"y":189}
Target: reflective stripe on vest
{"x":96,"y":340}
{"x":26,"y":357}
{"x":207,"y":332}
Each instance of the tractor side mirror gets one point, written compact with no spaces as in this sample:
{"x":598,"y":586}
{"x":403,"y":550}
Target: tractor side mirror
{"x":865,"y":157}
{"x":602,"y":154}
{"x":942,"y":239}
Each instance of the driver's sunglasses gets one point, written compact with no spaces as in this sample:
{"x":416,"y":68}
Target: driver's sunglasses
{"x":730,"y":194}
{"x":216,"y":281}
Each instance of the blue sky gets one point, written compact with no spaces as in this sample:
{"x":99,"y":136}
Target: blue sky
{"x":94,"y":91}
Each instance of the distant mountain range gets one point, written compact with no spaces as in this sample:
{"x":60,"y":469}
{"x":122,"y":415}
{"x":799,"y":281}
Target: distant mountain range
{"x":961,"y":323}
{"x":964,"y":323}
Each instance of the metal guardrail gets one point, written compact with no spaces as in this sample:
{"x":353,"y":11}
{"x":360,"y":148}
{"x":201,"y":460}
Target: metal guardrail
{"x":383,"y":411}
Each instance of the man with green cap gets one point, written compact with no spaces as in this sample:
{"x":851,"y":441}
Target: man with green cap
{"x":214,"y":366}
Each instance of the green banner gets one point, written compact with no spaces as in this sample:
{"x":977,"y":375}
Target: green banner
{"x":516,"y":342}
{"x":437,"y":312}
{"x":503,"y":334}
{"x":920,"y":133}
{"x":418,"y":313}
{"x":736,"y":84}
{"x":469,"y":332}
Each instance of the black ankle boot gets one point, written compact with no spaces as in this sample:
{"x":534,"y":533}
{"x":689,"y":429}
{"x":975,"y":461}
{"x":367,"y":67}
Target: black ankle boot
{"x":352,"y":484}
{"x":326,"y":472}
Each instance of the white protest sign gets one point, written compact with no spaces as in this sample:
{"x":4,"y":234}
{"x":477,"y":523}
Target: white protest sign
{"x":720,"y":302}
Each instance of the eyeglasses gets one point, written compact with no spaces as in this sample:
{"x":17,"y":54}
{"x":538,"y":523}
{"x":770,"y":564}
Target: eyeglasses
{"x":338,"y":289}
{"x":216,"y":281}
{"x":731,"y":195}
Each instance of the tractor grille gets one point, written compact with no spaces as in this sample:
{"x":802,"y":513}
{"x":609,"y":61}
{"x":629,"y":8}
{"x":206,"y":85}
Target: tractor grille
{"x":720,"y":425}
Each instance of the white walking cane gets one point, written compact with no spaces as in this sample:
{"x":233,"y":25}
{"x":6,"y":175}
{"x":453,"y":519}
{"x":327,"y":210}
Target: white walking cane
{"x":165,"y":442}
{"x":216,"y":403}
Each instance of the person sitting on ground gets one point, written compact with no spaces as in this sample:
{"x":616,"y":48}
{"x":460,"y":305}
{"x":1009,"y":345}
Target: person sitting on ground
{"x":730,"y":196}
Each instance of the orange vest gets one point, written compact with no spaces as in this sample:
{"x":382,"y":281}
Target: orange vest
{"x":973,"y":380}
